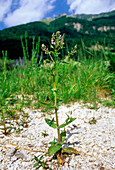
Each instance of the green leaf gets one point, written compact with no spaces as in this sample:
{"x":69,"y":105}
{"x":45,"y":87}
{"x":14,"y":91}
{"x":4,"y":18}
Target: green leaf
{"x":53,"y":143}
{"x":59,"y":102}
{"x":40,"y":158}
{"x":53,"y":53}
{"x":68,"y":121}
{"x":35,"y":157}
{"x":54,"y":149}
{"x":43,"y":164}
{"x":36,"y":164}
{"x":51,"y":123}
{"x":70,"y":150}
{"x":63,"y":136}
{"x":52,"y":46}
{"x":1,"y":116}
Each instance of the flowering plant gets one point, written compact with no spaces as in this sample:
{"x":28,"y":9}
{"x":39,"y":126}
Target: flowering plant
{"x":57,"y":43}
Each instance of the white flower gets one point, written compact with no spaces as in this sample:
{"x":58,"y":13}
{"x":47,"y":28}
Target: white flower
{"x":43,"y":45}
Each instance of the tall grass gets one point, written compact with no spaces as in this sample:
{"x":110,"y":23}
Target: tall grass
{"x":83,"y":78}
{"x":87,"y":77}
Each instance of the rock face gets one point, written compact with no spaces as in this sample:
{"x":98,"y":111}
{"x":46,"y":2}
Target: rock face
{"x":105,"y":28}
{"x":92,"y":134}
{"x":78,"y":26}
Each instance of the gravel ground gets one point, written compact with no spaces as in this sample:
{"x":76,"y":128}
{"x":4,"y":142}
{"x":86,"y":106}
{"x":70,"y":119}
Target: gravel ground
{"x":92,"y":134}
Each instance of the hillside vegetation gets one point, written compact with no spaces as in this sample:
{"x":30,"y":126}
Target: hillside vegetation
{"x":101,"y":29}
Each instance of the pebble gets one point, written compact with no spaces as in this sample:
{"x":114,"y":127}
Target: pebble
{"x":11,"y":152}
{"x":21,"y":127}
{"x":21,"y":154}
{"x":2,"y":135}
{"x":95,"y":142}
{"x":14,"y":158}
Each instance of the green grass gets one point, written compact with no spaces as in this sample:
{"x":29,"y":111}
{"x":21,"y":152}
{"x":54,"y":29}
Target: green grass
{"x":89,"y":79}
{"x":85,"y":78}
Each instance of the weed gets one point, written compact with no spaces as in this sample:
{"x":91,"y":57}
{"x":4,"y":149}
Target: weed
{"x":39,"y":162}
{"x":9,"y":105}
{"x":56,"y":149}
{"x":93,"y":121}
{"x":44,"y":134}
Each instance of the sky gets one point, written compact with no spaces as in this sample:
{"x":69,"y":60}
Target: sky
{"x":16,"y":12}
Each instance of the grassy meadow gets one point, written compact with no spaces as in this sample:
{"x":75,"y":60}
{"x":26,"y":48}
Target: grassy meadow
{"x":80,"y":77}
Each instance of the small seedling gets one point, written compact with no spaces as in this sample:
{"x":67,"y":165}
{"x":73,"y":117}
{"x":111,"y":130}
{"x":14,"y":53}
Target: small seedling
{"x":44,"y":134}
{"x":39,"y":162}
{"x":93,"y":121}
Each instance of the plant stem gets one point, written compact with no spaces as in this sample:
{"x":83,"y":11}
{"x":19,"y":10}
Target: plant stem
{"x":56,"y":114}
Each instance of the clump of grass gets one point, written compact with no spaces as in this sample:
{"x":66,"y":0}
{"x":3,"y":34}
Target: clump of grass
{"x":81,"y":78}
{"x":8,"y":101}
{"x":109,"y":103}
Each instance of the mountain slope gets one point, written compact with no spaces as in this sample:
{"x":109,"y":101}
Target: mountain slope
{"x":93,"y":16}
{"x":100,"y":29}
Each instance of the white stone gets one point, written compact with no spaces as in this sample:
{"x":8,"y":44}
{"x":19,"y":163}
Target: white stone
{"x":25,"y":164}
{"x":21,"y":154}
{"x":11,"y":151}
{"x":96,"y":140}
{"x":14,"y":158}
{"x":21,"y":127}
